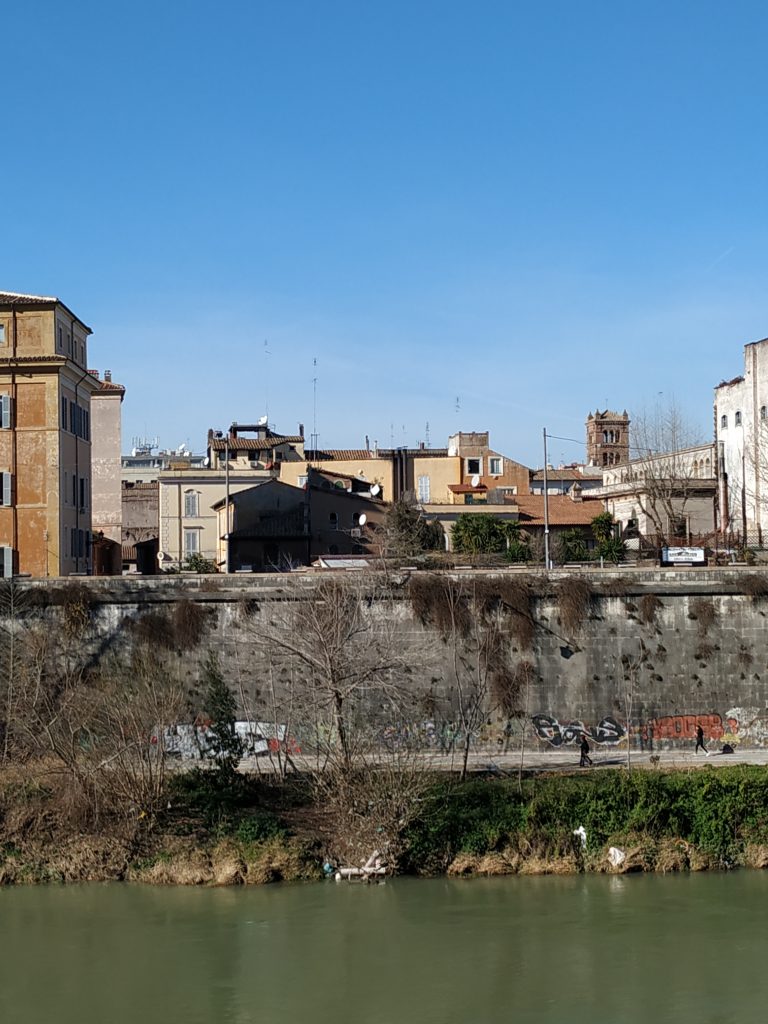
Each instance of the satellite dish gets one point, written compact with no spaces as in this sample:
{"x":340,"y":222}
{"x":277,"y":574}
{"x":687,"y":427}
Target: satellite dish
{"x":362,"y":520}
{"x":475,"y":480}
{"x":375,"y":490}
{"x":262,"y":421}
{"x":206,"y":462}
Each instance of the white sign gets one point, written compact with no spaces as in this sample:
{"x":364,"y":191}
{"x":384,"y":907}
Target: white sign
{"x":687,"y":556}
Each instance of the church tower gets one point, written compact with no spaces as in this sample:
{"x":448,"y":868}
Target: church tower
{"x":607,"y":438}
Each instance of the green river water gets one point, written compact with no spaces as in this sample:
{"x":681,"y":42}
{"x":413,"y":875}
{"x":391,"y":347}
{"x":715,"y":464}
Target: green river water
{"x":579,"y":949}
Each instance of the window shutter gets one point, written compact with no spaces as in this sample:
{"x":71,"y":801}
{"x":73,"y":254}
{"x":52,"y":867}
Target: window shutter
{"x":6,"y":488}
{"x":5,"y":412}
{"x":7,"y":564}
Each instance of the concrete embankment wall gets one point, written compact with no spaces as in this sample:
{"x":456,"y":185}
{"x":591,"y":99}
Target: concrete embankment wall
{"x":652,"y":655}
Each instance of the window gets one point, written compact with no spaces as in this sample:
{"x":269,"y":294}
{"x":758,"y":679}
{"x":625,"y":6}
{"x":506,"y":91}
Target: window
{"x":723,"y":422}
{"x":301,"y":481}
{"x":2,"y":334}
{"x":5,"y":489}
{"x":333,"y":520}
{"x":495,"y":466}
{"x":5,"y":412}
{"x":60,"y":346}
{"x":74,"y":489}
{"x":191,"y":504}
{"x":423,"y":485}
{"x":64,"y":419}
{"x":191,"y":542}
{"x":762,"y":412}
{"x":737,"y":420}
{"x":474,"y":466}
{"x":6,"y":561}
{"x":83,"y":492}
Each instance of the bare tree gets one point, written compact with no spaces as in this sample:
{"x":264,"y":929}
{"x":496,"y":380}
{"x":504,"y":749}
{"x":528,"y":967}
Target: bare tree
{"x":666,"y":471}
{"x":346,"y":644}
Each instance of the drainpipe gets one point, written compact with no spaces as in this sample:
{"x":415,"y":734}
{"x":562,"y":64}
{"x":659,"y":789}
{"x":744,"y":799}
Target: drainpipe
{"x":14,"y":483}
{"x":77,"y":458}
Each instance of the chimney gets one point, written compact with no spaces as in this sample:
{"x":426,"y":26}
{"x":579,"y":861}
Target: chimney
{"x":575,"y":492}
{"x":301,"y":430}
{"x":421,"y":446}
{"x":367,"y":444}
{"x":94,"y":373}
{"x":108,"y":376}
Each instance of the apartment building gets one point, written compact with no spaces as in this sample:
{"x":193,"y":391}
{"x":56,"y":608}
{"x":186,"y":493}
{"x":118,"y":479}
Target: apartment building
{"x":45,"y":438}
{"x":107,"y":499}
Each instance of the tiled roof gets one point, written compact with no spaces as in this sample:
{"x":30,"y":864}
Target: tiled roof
{"x":558,"y":474}
{"x":466,"y":488}
{"x":357,"y":454}
{"x":563,"y":511}
{"x":254,"y":444}
{"x":19,"y":299}
{"x":339,"y":455}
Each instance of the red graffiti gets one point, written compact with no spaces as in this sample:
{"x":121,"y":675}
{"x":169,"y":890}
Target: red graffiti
{"x":683,"y":727}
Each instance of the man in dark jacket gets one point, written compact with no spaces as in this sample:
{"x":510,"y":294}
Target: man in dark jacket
{"x":586,"y":760}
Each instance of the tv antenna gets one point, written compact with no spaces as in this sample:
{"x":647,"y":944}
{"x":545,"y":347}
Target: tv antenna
{"x":314,"y":404}
{"x":426,"y":434}
{"x":267,"y":355}
{"x":458,"y":404}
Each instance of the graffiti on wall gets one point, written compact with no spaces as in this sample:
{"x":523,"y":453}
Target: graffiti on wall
{"x":607,"y":731}
{"x":682,"y":727}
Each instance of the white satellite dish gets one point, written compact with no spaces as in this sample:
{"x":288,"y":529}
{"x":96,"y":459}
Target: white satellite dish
{"x":262,"y":421}
{"x":362,"y":520}
{"x":375,"y":490}
{"x":206,"y":462}
{"x":475,"y":480}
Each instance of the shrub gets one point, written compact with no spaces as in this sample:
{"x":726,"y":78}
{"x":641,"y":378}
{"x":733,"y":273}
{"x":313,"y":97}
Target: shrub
{"x":574,"y":598}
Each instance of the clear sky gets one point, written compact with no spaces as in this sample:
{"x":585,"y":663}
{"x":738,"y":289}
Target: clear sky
{"x":536,"y":209}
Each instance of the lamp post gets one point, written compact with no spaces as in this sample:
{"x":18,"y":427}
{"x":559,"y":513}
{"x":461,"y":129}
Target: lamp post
{"x":546,"y":507}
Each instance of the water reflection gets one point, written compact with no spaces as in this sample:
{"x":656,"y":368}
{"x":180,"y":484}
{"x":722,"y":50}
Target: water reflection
{"x":616,"y":948}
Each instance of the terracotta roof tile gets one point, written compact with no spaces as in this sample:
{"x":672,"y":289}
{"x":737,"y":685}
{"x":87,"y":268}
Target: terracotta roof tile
{"x":254,"y":444}
{"x":562,"y":510}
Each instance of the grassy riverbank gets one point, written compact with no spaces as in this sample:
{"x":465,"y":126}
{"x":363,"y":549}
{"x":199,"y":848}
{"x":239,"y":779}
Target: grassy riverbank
{"x":255,"y":830}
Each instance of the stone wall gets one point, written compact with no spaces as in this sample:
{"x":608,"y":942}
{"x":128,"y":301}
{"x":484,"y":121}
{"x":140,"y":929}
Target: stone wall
{"x":646,"y":655}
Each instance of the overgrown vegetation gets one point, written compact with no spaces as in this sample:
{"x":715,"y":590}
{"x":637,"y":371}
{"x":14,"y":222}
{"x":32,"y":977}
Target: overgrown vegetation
{"x":718,"y":816}
{"x":574,"y":600}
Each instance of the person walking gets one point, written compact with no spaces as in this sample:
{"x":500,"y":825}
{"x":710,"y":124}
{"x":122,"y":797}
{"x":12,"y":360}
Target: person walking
{"x":585,"y":760}
{"x":700,"y":741}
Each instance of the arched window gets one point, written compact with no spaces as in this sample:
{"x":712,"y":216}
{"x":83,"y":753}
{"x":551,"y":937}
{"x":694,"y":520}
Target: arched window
{"x":762,"y":412}
{"x":737,"y":419}
{"x":605,"y":437}
{"x":723,"y":422}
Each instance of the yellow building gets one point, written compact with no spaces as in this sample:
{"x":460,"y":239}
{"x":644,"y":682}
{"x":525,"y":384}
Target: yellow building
{"x":468,"y":469}
{"x":45,"y":438}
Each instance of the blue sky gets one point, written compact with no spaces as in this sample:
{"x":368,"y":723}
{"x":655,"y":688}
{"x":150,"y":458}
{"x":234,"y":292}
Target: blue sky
{"x":536,"y":209}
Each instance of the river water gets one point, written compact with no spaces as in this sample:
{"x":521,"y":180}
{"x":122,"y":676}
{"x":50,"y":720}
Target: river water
{"x":578,"y":949}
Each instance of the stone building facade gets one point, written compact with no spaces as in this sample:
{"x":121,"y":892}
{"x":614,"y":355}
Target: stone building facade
{"x":45,"y":438}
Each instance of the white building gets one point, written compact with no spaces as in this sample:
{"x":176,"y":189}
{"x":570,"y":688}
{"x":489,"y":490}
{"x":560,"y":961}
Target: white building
{"x":664,"y":498}
{"x":741,"y":434}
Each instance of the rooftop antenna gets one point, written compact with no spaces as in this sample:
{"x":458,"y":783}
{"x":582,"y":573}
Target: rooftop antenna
{"x":267,"y":355}
{"x":314,"y":405}
{"x":391,"y":435}
{"x":458,"y":404}
{"x":426,"y":434}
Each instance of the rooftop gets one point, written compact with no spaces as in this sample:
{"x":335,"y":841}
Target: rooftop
{"x":22,"y":299}
{"x":563,"y":511}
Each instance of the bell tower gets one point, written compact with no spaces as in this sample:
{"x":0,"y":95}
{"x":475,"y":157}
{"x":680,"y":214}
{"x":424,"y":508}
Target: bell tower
{"x":607,"y":438}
